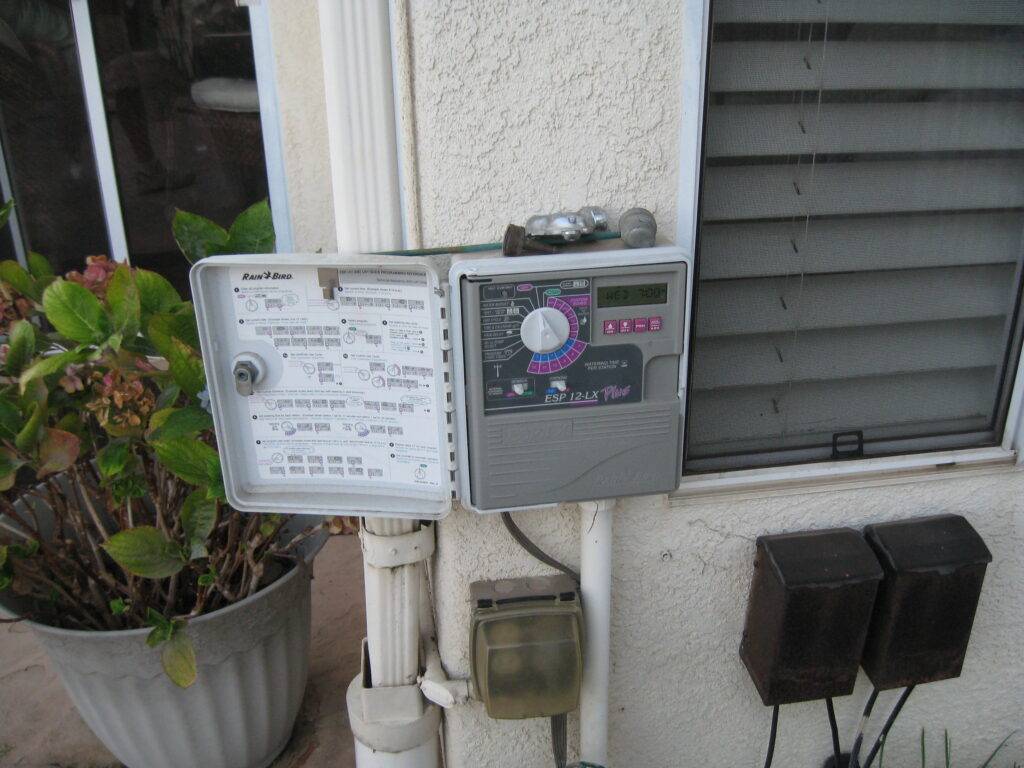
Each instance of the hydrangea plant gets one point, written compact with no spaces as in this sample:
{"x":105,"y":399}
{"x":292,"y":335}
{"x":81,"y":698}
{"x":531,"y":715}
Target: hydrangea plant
{"x":102,"y":422}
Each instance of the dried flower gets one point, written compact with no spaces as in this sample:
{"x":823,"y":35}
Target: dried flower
{"x":122,"y":402}
{"x":71,"y":381}
{"x":97,"y":274}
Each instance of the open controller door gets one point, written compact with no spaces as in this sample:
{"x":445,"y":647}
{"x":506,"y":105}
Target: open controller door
{"x":328,"y":383}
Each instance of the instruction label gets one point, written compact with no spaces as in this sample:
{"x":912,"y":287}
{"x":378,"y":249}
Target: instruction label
{"x":354,"y":397}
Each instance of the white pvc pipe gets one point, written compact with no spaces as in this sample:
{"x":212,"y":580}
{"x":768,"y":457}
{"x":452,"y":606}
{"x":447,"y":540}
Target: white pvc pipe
{"x":423,"y":756}
{"x":596,"y":589}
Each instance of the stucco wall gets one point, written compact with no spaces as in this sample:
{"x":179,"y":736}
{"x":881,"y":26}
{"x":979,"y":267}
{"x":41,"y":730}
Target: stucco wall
{"x":527,"y":107}
{"x":295,"y":33}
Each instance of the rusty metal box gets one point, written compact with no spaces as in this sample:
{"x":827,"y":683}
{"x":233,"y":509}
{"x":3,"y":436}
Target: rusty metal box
{"x":807,"y":616}
{"x":934,"y":570}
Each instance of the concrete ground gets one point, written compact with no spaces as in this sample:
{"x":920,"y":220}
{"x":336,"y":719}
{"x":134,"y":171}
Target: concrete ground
{"x":40,"y":728}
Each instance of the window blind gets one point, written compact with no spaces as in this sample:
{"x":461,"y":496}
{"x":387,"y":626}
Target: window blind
{"x":862,"y":227}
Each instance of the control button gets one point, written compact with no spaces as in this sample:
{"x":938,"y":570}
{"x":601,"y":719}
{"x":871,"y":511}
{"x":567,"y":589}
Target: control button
{"x":625,"y":326}
{"x":639,"y":325}
{"x":558,"y":384}
{"x":654,"y":323}
{"x":610,"y":327}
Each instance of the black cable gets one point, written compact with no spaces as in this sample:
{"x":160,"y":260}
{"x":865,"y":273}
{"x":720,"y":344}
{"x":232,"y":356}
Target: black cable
{"x":524,"y":541}
{"x":559,"y":740}
{"x":771,"y":737}
{"x":888,"y":725}
{"x":837,"y":752}
{"x":859,"y":740}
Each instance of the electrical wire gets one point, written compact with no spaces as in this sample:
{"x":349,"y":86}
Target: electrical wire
{"x":888,"y":725}
{"x":771,"y":737}
{"x":837,"y":752}
{"x":559,"y":740}
{"x":859,"y":739}
{"x":524,"y":541}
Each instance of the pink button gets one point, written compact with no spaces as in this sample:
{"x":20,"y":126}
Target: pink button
{"x":610,"y":327}
{"x":654,"y":323}
{"x":625,"y":326}
{"x":639,"y":325}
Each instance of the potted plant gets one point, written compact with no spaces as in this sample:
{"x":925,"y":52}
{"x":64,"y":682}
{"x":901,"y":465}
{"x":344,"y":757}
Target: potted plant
{"x":179,"y":626}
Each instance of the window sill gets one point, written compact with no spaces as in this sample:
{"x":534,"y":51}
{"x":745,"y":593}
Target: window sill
{"x":832,"y":473}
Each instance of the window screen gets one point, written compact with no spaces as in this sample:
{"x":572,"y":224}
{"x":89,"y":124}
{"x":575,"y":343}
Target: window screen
{"x":861,"y":222}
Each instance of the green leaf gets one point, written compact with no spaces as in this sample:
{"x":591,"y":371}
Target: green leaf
{"x":252,"y":231}
{"x":22,"y":340}
{"x":186,"y":367}
{"x":32,"y":430}
{"x":113,"y":458}
{"x":179,"y":422}
{"x":198,"y":516}
{"x":197,"y":236}
{"x":145,"y":551}
{"x":119,"y":606}
{"x":10,"y":420}
{"x":181,"y":325}
{"x":209,"y":578}
{"x":178,"y":659}
{"x":155,"y":293}
{"x":192,"y":461}
{"x":10,"y":463}
{"x":58,"y":451}
{"x":124,"y":302}
{"x":12,"y":273}
{"x":39,"y":266}
{"x":49,"y":365}
{"x":76,"y":313}
{"x":167,"y":398}
{"x":5,"y":211}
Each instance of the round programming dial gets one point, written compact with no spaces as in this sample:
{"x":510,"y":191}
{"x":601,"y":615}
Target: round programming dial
{"x":544,"y":330}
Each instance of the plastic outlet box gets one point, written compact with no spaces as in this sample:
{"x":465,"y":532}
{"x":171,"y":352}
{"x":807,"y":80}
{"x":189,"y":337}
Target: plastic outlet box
{"x":808,"y":613}
{"x":934,"y":570}
{"x":526,"y":646}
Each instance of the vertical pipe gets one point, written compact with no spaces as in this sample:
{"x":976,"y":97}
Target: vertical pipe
{"x":392,"y":611}
{"x":596,"y":589}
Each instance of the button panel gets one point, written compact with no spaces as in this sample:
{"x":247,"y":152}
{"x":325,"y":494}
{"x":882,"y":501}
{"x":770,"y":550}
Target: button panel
{"x":632,"y":325}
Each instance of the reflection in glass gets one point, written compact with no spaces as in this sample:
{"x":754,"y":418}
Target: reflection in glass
{"x":179,"y":86}
{"x":45,"y":136}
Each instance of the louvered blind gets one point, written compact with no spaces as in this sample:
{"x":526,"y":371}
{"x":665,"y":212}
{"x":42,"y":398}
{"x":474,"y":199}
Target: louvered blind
{"x":862,"y":228}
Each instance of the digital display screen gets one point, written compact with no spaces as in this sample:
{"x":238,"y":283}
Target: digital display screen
{"x":632,"y":295}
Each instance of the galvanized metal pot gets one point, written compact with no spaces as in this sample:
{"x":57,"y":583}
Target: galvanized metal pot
{"x":253,"y":659}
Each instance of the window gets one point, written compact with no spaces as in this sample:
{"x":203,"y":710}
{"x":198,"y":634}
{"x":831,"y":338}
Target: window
{"x":861,"y":229}
{"x":177,"y":109}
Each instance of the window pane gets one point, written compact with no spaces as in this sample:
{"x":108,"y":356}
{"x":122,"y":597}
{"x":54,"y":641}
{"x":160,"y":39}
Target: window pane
{"x":179,"y":85}
{"x":862,"y":226}
{"x":45,"y":136}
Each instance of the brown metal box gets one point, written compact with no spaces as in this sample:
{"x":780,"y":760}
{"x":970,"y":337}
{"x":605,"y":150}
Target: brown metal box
{"x":934,"y":569}
{"x":807,"y":616}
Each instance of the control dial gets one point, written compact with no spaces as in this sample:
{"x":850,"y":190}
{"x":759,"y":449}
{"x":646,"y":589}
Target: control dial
{"x":544,"y":330}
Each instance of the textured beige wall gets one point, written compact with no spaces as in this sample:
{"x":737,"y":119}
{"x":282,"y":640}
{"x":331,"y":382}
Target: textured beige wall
{"x":524,"y":107}
{"x":513,"y":108}
{"x":680,"y":696}
{"x":295,"y":31}
{"x":527,"y":107}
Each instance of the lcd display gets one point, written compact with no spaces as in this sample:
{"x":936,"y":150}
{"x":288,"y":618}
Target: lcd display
{"x":632,"y":295}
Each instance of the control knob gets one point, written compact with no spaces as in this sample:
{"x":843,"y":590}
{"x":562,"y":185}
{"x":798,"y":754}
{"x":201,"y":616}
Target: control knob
{"x":544,"y":330}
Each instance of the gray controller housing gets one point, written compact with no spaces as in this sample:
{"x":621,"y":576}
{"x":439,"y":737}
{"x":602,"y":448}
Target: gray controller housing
{"x":603,"y":417}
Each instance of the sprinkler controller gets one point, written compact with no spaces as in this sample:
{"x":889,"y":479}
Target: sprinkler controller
{"x":379,"y":385}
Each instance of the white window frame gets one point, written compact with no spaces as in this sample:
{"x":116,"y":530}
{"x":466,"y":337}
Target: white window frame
{"x":266,"y":85}
{"x":696,"y":18}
